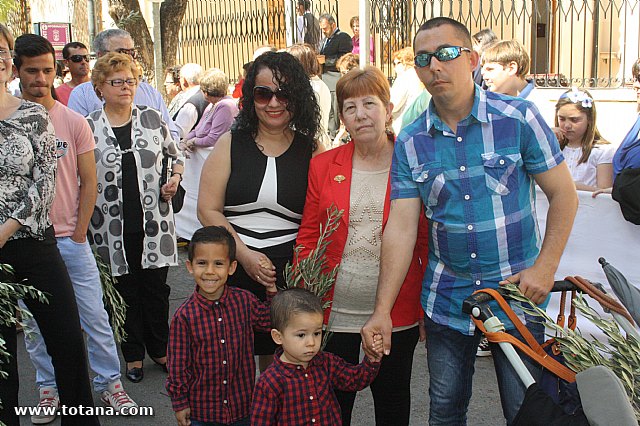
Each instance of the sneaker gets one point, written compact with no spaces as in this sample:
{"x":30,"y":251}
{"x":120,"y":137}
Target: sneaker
{"x":47,"y":407}
{"x":116,"y":397}
{"x":483,"y":348}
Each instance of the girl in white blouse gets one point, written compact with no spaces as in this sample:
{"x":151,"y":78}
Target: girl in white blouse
{"x":587,"y":154}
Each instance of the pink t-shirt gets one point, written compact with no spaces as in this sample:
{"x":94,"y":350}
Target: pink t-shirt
{"x":73,"y":138}
{"x":63,"y":92}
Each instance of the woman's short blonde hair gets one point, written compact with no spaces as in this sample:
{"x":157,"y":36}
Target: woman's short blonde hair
{"x":111,"y":63}
{"x":6,"y":33}
{"x":347,"y":62}
{"x":215,"y":81}
{"x":405,"y":56}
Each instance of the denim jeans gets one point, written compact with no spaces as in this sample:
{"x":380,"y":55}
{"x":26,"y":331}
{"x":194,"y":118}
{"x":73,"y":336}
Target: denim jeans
{"x":243,"y":422}
{"x":450,"y":357}
{"x":102,"y":351}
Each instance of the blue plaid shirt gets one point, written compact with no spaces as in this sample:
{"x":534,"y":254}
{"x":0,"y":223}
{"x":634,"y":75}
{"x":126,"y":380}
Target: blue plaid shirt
{"x":478,"y":193}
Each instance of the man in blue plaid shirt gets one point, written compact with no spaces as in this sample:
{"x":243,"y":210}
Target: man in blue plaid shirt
{"x":471,"y":159}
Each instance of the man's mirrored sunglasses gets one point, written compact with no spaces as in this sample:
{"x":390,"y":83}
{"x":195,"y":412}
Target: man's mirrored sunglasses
{"x":444,"y":54}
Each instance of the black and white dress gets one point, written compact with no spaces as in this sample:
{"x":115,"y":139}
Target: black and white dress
{"x":264,"y":202}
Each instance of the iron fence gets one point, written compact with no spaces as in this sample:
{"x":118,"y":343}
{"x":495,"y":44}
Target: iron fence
{"x":225,"y":33}
{"x":590,"y":43}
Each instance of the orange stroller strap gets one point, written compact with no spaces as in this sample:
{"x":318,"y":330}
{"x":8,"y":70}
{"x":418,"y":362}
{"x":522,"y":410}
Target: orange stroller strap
{"x":532,"y":348}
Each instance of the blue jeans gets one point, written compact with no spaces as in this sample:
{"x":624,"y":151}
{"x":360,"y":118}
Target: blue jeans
{"x":243,"y":422}
{"x":450,"y":357}
{"x":102,"y":350}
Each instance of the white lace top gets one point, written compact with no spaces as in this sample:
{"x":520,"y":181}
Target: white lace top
{"x":357,"y":280}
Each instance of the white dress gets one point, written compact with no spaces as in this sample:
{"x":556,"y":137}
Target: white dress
{"x":585,"y":173}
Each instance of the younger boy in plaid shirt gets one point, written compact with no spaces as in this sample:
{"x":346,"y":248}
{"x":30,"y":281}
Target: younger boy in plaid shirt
{"x":297,"y":388}
{"x":210,"y":349}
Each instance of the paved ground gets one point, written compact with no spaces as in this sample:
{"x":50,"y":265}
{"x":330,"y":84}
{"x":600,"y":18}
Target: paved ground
{"x":484,"y":410}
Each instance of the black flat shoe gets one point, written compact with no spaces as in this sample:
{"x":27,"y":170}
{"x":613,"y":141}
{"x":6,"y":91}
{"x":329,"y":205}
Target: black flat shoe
{"x":162,"y":365}
{"x":135,"y":374}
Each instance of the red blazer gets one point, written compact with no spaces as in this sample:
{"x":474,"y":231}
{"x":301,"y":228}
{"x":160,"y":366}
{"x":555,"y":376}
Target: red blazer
{"x":323,"y":191}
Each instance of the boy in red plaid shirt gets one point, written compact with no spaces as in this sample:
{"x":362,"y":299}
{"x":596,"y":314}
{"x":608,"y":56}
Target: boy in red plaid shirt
{"x":297,"y":388}
{"x":210,"y":350}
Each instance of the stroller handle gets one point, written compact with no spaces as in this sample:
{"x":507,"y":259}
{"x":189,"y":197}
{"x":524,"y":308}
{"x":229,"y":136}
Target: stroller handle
{"x":479,"y":300}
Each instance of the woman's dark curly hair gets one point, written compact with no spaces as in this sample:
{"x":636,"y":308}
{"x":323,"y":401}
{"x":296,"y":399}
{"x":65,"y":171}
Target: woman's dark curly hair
{"x":290,"y":77}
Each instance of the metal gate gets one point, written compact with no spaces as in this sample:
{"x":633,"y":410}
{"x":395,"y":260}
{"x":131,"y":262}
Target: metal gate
{"x":590,"y":43}
{"x":225,"y":33}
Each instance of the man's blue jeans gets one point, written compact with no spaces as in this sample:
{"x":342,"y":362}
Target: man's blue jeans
{"x":103,"y":354}
{"x":451,"y":356}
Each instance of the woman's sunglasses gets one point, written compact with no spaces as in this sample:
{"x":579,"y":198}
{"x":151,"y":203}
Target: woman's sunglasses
{"x":262,"y":95}
{"x":444,"y":54}
{"x":79,"y":58}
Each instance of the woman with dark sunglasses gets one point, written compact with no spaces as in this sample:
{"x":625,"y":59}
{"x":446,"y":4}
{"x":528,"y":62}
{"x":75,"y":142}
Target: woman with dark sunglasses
{"x":255,"y":180}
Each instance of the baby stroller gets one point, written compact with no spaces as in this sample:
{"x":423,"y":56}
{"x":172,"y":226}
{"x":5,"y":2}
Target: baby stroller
{"x":600,"y":398}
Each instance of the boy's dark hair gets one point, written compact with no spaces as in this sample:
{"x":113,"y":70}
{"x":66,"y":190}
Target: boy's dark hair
{"x":72,"y":45}
{"x":213,"y":234}
{"x":30,"y":46}
{"x":293,"y":301}
{"x":462,"y":31}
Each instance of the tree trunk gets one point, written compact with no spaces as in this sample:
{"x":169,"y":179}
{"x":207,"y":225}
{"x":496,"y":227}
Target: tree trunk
{"x":171,"y":15}
{"x":121,"y":12}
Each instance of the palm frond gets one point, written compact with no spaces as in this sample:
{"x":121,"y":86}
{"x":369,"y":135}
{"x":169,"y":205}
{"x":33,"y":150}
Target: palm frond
{"x":113,"y":302}
{"x":311,"y":272}
{"x":620,"y":353}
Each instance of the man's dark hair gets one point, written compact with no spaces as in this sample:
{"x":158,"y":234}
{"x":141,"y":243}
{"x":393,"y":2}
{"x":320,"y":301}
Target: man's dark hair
{"x":72,"y":45}
{"x":462,"y":31}
{"x":213,"y":235}
{"x":305,"y":3}
{"x":290,"y":302}
{"x":30,"y":46}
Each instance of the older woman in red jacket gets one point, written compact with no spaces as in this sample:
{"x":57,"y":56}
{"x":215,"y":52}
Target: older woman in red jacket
{"x":355,"y":178}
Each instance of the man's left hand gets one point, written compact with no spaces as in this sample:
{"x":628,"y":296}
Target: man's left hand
{"x":535,"y":283}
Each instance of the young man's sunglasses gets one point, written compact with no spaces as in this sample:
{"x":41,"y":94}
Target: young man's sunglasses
{"x":79,"y":58}
{"x":262,"y":95}
{"x":444,"y":54}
